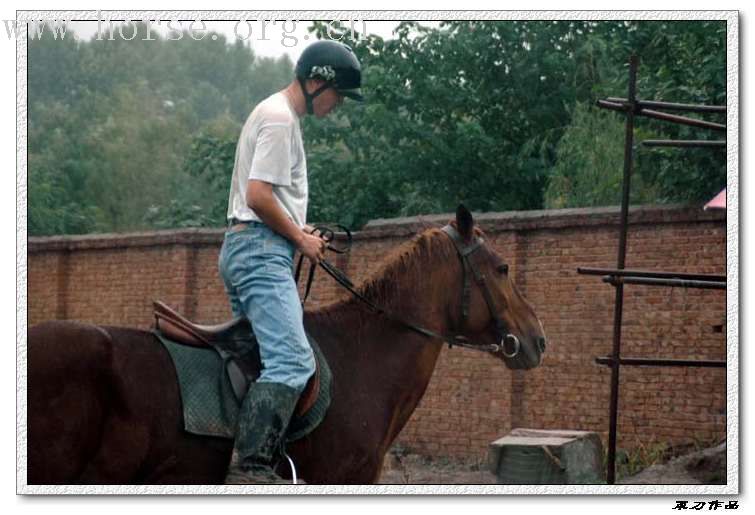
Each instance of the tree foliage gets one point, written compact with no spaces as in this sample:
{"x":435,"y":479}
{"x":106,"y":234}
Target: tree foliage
{"x":114,"y":127}
{"x":497,"y":114}
{"x":680,"y":62}
{"x":494,"y":114}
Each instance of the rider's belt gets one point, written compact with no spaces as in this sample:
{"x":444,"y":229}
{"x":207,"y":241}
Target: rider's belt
{"x":233,"y":222}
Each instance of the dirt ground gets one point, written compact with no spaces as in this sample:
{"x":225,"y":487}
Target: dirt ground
{"x":705,"y":467}
{"x":414,"y":469}
{"x":698,"y":468}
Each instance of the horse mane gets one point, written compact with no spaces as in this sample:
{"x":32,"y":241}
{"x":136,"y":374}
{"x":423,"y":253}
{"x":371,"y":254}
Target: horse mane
{"x":405,"y":265}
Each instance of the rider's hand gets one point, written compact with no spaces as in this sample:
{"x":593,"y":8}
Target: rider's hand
{"x":311,"y":246}
{"x":311,"y":230}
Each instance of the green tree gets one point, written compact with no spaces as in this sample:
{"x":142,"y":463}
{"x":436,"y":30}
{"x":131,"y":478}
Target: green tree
{"x":127,"y":135}
{"x":590,"y":163}
{"x":112,"y":125}
{"x":208,"y":163}
{"x":679,"y":62}
{"x":469,"y":112}
{"x":476,"y":112}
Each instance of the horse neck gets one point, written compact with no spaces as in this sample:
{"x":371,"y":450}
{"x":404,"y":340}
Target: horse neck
{"x":382,"y":359}
{"x":419,"y":284}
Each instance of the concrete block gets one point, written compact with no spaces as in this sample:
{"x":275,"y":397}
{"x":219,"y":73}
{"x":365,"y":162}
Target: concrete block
{"x":547,"y":457}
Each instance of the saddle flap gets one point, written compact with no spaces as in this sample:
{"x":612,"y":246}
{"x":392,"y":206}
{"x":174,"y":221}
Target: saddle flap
{"x":309,"y":395}
{"x":243,"y":367}
{"x":211,"y":401}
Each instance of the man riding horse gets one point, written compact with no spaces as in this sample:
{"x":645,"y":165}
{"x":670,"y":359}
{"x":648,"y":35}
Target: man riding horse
{"x":267,"y":209}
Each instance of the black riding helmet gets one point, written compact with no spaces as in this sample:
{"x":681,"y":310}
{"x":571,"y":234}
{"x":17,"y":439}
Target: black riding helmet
{"x":333,"y":62}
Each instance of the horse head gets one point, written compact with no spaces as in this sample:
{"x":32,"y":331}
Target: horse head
{"x":492,"y":311}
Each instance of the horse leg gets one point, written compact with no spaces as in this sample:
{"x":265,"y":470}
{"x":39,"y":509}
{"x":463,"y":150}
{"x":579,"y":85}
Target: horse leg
{"x":66,"y":406}
{"x":321,"y":459}
{"x":130,"y":446}
{"x":122,"y":451}
{"x":83,"y":425}
{"x":365,"y":471}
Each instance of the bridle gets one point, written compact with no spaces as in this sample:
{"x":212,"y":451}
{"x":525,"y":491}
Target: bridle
{"x":464,"y":252}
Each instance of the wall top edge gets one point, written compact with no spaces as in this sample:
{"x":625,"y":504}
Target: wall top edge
{"x":383,"y":228}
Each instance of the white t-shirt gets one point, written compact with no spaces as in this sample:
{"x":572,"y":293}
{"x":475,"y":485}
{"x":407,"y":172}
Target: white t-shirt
{"x":270,"y":149}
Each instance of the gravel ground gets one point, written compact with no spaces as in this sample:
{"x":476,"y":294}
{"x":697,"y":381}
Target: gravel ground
{"x":698,"y":468}
{"x":705,"y":467}
{"x":414,"y":469}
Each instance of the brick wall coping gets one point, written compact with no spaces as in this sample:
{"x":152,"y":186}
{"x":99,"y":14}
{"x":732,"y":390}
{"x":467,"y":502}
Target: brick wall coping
{"x":398,"y":227}
{"x":552,"y":218}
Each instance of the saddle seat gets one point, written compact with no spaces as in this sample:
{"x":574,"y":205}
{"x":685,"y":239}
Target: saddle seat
{"x":182,"y":330}
{"x":224,"y":337}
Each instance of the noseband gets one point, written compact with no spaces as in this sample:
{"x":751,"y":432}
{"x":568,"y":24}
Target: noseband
{"x":465,"y":251}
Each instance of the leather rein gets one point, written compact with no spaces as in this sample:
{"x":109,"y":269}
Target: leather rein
{"x":464,"y":251}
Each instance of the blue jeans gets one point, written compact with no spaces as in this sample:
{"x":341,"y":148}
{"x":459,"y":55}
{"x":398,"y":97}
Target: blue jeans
{"x":256,"y":265}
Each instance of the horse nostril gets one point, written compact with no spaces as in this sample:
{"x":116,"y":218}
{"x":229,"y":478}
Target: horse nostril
{"x":541,"y":343}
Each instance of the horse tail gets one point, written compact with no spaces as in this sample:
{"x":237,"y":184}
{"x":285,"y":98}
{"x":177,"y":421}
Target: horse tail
{"x":68,"y":379}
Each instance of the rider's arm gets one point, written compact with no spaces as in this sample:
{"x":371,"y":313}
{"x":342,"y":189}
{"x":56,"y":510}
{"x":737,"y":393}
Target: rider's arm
{"x":259,"y":197}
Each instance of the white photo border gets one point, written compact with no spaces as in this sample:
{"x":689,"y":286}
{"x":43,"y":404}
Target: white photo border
{"x":732,"y":226}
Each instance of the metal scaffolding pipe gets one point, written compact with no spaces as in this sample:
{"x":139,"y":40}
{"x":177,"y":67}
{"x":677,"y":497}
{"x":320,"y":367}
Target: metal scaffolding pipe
{"x":611,"y":105}
{"x":650,"y":362}
{"x":683,"y":120}
{"x":613,"y":414}
{"x":660,"y":274}
{"x":632,"y":107}
{"x":683,"y":143}
{"x":674,"y":283}
{"x":649,"y":113}
{"x":672,"y":106}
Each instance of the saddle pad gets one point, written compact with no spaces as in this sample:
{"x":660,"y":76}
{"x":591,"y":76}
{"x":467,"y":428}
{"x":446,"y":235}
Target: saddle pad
{"x":210,"y":407}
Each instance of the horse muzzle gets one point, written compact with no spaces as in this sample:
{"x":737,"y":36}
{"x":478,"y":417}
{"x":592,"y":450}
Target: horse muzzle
{"x":520,"y":355}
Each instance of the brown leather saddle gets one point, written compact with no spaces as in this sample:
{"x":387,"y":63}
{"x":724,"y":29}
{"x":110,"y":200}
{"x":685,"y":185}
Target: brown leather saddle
{"x":233,"y":340}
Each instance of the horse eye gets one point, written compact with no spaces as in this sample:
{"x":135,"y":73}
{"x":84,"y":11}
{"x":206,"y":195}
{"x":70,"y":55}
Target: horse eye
{"x":503,"y":269}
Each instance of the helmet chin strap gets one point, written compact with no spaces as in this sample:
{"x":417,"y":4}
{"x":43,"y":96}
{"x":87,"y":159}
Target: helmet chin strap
{"x":309,"y":97}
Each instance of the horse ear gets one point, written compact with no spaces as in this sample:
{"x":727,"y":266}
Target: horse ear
{"x":464,"y":222}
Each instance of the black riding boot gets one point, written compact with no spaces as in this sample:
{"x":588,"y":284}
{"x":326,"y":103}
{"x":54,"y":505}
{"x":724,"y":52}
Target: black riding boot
{"x":263,"y":419}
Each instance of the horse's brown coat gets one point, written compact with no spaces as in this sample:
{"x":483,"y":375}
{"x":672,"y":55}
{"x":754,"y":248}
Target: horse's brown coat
{"x":104,"y":405}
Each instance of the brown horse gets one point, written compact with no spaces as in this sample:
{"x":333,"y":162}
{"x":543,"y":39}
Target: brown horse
{"x":104,"y":406}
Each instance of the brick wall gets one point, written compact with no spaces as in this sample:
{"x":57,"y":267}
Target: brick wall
{"x":472,"y":399}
